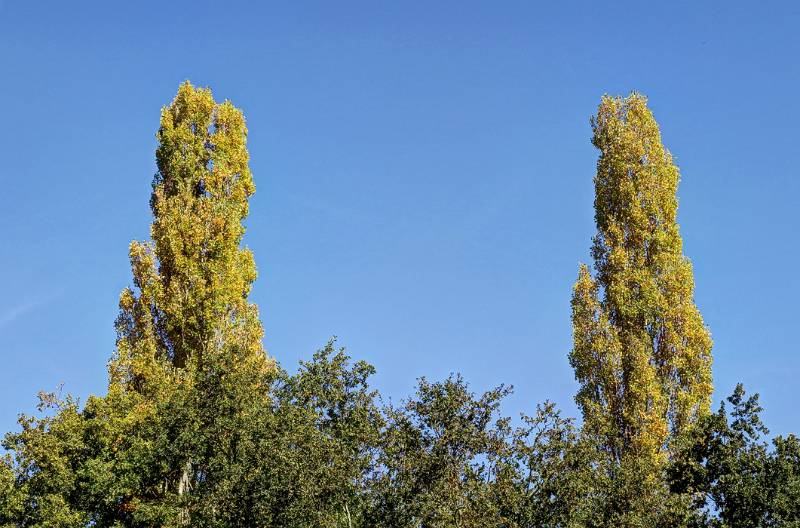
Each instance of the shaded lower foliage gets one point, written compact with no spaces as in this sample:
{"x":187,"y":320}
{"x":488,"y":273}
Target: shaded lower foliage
{"x":735,"y":477}
{"x":438,"y":459}
{"x":315,"y":448}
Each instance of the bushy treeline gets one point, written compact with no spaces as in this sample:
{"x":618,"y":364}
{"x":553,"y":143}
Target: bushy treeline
{"x":199,"y":427}
{"x":320,"y":450}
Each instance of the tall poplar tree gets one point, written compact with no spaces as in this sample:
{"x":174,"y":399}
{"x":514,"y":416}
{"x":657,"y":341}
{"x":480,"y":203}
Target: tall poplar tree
{"x":190,"y":367}
{"x":194,"y":279}
{"x":641,"y":352}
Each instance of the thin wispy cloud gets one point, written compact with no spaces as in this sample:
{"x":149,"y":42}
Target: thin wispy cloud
{"x":10,"y":315}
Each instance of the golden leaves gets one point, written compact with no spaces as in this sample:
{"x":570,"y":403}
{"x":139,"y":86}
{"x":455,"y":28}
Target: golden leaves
{"x":641,"y":352}
{"x":193,"y":280}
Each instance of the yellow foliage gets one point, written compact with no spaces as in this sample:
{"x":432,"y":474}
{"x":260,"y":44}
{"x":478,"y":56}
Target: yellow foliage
{"x":641,"y":352}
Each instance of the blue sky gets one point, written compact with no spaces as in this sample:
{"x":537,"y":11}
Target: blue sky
{"x":423,"y":171}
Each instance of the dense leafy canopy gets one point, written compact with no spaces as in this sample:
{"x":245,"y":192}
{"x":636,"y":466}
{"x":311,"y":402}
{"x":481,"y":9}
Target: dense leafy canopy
{"x":199,"y":427}
{"x":641,"y":353}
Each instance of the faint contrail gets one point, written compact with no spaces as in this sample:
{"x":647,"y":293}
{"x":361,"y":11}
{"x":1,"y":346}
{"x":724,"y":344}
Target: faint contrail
{"x":25,"y":307}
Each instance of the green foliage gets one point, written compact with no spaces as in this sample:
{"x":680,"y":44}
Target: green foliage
{"x":546,"y":476}
{"x":301,"y":460}
{"x":437,"y":458}
{"x":736,"y":479}
{"x":42,"y":485}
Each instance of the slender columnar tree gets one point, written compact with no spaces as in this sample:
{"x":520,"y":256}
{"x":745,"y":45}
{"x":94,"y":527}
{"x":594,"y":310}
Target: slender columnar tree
{"x":641,"y":352}
{"x":192,"y":282}
{"x":189,"y":361}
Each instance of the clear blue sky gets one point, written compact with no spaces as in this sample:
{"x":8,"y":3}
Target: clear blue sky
{"x":424,"y":177}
